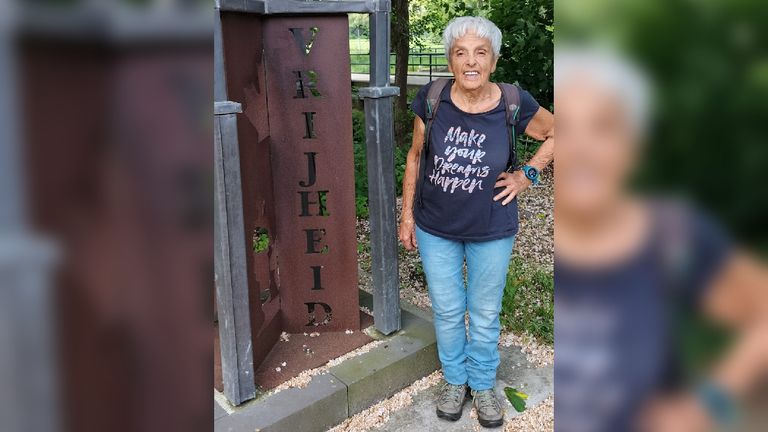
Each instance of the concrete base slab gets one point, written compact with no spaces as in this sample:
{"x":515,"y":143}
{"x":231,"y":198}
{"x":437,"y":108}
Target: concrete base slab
{"x":316,"y":407}
{"x":382,"y":372}
{"x":218,"y":411}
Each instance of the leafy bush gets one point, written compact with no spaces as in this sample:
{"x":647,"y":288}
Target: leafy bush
{"x":428,"y":18}
{"x":527,"y":50}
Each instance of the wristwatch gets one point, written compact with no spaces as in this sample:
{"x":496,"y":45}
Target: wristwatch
{"x":531,"y":173}
{"x":719,"y":404}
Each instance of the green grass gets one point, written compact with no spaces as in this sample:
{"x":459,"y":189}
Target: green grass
{"x":361,"y":46}
{"x":528,"y":301}
{"x":360,"y":59}
{"x":358,"y":45}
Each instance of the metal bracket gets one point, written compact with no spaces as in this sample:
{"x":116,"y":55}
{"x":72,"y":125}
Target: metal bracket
{"x":227,"y":107}
{"x":382,"y":6}
{"x":271,"y":7}
{"x":252,"y":6}
{"x":378,"y":92}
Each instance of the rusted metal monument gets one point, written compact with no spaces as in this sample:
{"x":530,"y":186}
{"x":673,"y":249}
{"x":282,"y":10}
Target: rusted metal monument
{"x":285,"y":249}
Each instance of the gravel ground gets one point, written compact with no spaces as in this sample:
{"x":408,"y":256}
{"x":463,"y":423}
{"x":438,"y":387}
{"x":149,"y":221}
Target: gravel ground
{"x":539,"y":418}
{"x":534,"y":244}
{"x":535,"y":241}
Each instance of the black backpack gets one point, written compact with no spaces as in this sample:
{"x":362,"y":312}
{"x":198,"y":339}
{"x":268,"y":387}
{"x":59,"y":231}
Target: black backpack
{"x":510,"y":94}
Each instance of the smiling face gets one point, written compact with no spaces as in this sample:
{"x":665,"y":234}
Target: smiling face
{"x":596,"y":148}
{"x":471,"y":61}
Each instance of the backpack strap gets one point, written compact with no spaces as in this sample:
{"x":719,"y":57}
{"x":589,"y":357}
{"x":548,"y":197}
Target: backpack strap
{"x":674,"y":253}
{"x":432,"y":103}
{"x":510,"y":94}
{"x":673,"y":220}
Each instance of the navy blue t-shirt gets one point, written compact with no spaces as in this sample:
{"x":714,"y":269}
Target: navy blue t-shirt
{"x":467,"y":152}
{"x":615,"y":335}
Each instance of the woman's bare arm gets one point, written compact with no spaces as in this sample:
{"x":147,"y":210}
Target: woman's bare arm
{"x":542,"y":128}
{"x":407,"y":231}
{"x":738,"y":298}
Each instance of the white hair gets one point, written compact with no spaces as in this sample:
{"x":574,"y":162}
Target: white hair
{"x":482,"y":27}
{"x":612,"y":72}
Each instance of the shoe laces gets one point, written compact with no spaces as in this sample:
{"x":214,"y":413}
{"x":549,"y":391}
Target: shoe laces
{"x":451,"y":393}
{"x":486,"y":399}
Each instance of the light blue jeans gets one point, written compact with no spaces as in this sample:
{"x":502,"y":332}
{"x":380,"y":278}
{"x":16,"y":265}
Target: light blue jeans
{"x":465,"y":360}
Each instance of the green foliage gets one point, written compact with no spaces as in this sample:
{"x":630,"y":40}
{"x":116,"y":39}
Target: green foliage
{"x":516,"y":398}
{"x":707,"y":63}
{"x":401,"y":157}
{"x":361,"y":167}
{"x":358,"y":26}
{"x":404,"y":122}
{"x":526,"y":148}
{"x":701,"y":343}
{"x":363,"y":247}
{"x":428,"y":18}
{"x":260,"y":240}
{"x":528,"y":301}
{"x":361,"y":205}
{"x":527,"y":49}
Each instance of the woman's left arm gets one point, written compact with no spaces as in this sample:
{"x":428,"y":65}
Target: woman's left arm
{"x":542,"y":128}
{"x":737,"y":299}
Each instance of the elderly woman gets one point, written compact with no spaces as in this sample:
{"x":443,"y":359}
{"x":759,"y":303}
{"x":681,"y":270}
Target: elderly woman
{"x":459,"y":206}
{"x":628,"y":268}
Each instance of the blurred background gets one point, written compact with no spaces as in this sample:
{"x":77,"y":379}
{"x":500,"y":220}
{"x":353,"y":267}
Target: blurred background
{"x":703,"y":67}
{"x":106,"y":216}
{"x":708,"y":61}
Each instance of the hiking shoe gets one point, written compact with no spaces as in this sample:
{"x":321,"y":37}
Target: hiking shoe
{"x":451,"y":400}
{"x":489,"y":411}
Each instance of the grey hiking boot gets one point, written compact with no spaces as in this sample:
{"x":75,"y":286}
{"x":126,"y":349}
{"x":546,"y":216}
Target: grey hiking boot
{"x":489,"y":411}
{"x":451,"y":400}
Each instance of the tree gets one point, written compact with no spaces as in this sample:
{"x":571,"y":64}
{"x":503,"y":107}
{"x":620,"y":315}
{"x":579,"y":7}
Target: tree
{"x":527,"y":48}
{"x":400,"y":45}
{"x":429,"y":17}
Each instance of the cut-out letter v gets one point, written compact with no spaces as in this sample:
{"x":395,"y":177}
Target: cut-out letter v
{"x":304,"y":46}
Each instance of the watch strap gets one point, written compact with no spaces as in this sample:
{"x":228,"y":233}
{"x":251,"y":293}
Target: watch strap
{"x":535,"y":178}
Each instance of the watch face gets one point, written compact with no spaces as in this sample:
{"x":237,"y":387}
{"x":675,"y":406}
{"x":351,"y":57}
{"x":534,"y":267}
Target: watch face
{"x":530,"y":173}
